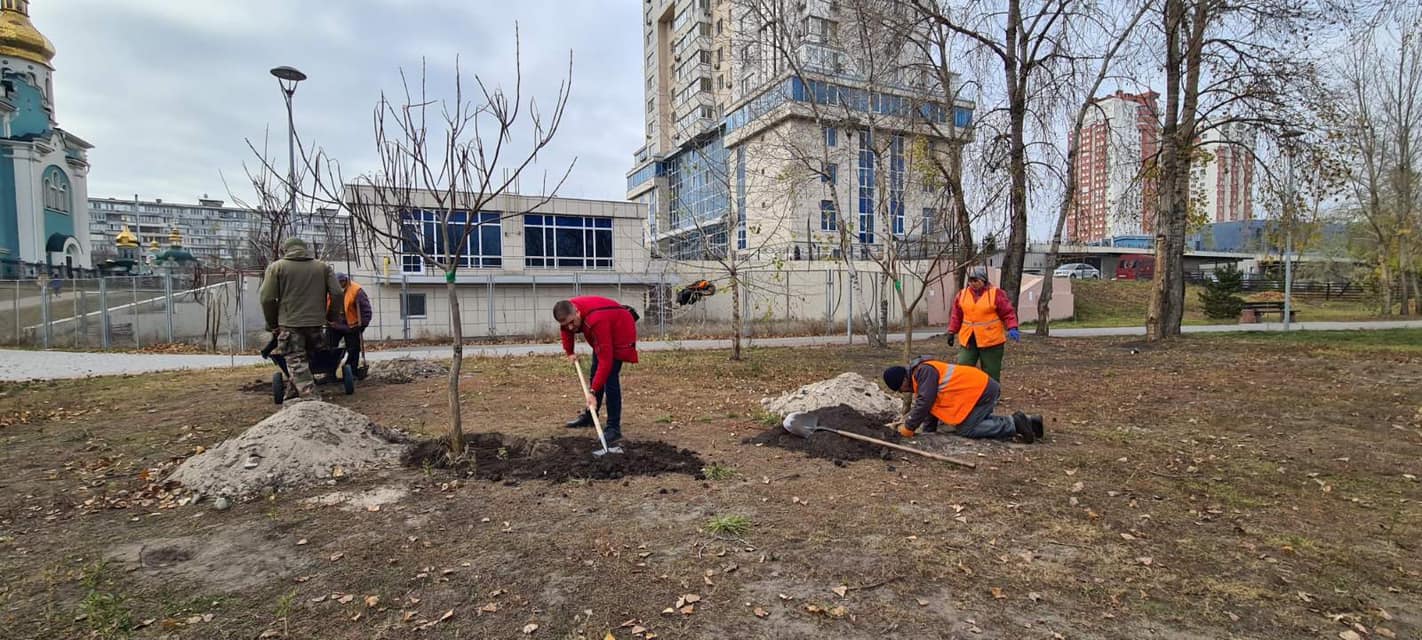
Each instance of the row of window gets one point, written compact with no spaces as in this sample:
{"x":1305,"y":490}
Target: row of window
{"x":828,"y":93}
{"x":550,"y":242}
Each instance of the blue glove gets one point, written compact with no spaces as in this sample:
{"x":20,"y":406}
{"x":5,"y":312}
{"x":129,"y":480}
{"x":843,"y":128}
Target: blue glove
{"x":1014,"y":334}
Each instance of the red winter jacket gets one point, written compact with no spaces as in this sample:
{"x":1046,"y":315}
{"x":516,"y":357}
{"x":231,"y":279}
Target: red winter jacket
{"x":609,"y":330}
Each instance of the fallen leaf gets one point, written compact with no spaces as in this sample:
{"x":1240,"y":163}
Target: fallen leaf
{"x":355,"y":617}
{"x":1076,"y":488}
{"x":1385,"y":632}
{"x":319,"y":599}
{"x":687,"y":610}
{"x":409,"y":615}
{"x":337,"y":556}
{"x":840,"y":590}
{"x":997,"y":593}
{"x":638,"y":630}
{"x":345,"y":599}
{"x":373,"y":508}
{"x":372,"y":601}
{"x":489,"y":608}
{"x":838,"y":612}
{"x":760,"y":613}
{"x":1145,"y":560}
{"x":921,"y":602}
{"x":447,"y":615}
{"x":301,"y":542}
{"x":1349,"y":634}
{"x":1034,"y":596}
{"x":529,"y":628}
{"x":691,"y":597}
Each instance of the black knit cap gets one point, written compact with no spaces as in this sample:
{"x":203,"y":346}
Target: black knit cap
{"x":894,"y":377}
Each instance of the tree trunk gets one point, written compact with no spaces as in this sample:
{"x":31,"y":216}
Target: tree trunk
{"x":1167,"y":300}
{"x":884,"y":283}
{"x":962,"y":221}
{"x":1016,"y":253}
{"x":736,"y":320}
{"x":456,"y":363}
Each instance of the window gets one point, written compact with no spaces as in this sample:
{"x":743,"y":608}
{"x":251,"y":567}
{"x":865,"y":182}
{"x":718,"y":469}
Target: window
{"x":720,"y":26}
{"x":705,"y":84}
{"x":829,"y":221}
{"x":896,"y":184}
{"x":651,"y":104}
{"x":830,"y":173}
{"x":425,"y":232}
{"x":742,"y":227}
{"x":567,"y":242}
{"x":412,"y":305}
{"x":831,"y":136}
{"x":866,"y":188}
{"x":930,"y":221}
{"x":56,"y":190}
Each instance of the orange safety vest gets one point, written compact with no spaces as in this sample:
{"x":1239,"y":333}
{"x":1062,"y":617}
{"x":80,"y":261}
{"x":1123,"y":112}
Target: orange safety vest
{"x":959,"y":388}
{"x":980,"y":318}
{"x":351,"y":307}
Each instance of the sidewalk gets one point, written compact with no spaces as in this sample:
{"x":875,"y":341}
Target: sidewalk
{"x":21,"y":365}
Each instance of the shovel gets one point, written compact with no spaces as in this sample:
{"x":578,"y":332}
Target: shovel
{"x":597,"y":422}
{"x":805,"y":425}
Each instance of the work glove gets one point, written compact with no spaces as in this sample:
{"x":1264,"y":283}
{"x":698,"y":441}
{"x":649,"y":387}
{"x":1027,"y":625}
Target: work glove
{"x":1014,"y":334}
{"x":952,"y":340}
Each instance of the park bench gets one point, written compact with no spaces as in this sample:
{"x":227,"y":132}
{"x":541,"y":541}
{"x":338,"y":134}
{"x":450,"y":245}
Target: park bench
{"x":1255,"y":311}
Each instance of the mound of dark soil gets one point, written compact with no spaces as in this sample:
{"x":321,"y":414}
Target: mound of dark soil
{"x":501,"y":458}
{"x":831,"y":445}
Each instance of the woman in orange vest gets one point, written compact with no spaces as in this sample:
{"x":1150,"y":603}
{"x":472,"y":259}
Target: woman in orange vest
{"x":982,"y":319}
{"x":960,"y":396}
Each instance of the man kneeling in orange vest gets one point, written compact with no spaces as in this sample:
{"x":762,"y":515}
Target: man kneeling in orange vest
{"x":960,"y":396}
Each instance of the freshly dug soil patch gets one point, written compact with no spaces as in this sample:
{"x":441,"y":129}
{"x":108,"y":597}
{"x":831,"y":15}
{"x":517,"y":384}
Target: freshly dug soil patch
{"x":831,"y":445}
{"x":501,"y":458}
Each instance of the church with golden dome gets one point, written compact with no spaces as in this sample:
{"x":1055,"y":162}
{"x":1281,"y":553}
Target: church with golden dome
{"x":44,"y":211}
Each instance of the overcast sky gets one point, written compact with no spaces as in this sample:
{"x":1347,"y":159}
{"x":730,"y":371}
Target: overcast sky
{"x":167,"y":90}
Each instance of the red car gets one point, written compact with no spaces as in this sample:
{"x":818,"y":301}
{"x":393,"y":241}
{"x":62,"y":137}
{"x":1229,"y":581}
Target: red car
{"x":1135,"y":268}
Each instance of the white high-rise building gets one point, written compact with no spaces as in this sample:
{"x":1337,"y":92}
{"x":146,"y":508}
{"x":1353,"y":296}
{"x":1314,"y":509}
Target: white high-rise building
{"x":1222,"y":183}
{"x":767,"y":108}
{"x":1115,"y":196}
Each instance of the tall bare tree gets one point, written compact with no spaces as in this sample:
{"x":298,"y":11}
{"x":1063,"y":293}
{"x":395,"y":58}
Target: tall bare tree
{"x":1380,"y":86}
{"x":1027,"y":39}
{"x":1224,"y":63}
{"x":1116,"y":35}
{"x":442,"y":163}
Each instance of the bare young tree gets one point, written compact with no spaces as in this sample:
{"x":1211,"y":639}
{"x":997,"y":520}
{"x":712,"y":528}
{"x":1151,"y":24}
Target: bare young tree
{"x":266,"y":196}
{"x":863,"y":88}
{"x":442,"y":163}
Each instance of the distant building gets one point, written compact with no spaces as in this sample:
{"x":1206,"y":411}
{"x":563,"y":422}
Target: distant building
{"x":43,"y":169}
{"x":1223,"y":184}
{"x":1115,"y":195}
{"x":216,"y":234}
{"x":1265,"y":237}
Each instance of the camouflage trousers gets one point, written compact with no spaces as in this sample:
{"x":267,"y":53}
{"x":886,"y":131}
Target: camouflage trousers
{"x":296,"y":345}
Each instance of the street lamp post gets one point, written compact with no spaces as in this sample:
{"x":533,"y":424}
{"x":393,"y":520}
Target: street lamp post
{"x":1289,"y":137}
{"x":287,"y":78}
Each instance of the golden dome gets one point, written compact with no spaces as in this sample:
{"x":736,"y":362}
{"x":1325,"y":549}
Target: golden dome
{"x":126,"y":239}
{"x":18,"y":36}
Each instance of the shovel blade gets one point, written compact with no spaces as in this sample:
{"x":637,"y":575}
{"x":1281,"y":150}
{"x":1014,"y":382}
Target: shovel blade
{"x":602,"y":452}
{"x":801,"y":424}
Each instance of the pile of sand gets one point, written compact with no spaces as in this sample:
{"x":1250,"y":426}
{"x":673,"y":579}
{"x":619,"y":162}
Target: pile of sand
{"x":852,"y":390}
{"x":304,"y":443}
{"x":403,"y":370}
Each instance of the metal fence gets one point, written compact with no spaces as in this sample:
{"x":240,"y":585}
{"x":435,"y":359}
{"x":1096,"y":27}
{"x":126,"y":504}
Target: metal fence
{"x":215,"y":311}
{"x":220,"y":312}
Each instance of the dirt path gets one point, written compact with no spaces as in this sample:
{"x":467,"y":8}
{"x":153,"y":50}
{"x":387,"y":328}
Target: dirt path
{"x":1183,"y":492}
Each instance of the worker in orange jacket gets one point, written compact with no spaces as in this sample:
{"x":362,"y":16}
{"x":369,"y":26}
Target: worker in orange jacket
{"x":960,"y":396}
{"x":981,"y":321}
{"x":353,"y":317}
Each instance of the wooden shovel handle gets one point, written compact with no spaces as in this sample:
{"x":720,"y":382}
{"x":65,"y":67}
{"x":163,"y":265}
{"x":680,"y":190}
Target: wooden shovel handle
{"x":899,"y":447}
{"x":588,"y":390}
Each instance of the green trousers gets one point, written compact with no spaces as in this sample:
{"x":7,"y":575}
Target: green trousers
{"x":989,"y":359}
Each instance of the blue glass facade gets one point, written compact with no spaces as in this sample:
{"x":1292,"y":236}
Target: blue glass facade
{"x":866,"y":188}
{"x":828,"y":93}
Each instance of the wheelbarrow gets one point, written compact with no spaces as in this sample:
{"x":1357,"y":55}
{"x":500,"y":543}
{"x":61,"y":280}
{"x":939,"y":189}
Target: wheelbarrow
{"x":806,"y":424}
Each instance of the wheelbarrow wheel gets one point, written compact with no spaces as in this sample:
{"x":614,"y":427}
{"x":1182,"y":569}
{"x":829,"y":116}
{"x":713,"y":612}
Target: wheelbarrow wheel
{"x":278,"y":388}
{"x":348,"y":378}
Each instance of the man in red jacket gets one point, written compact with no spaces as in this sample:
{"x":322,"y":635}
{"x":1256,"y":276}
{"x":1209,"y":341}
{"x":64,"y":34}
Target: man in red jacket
{"x":611,"y":330}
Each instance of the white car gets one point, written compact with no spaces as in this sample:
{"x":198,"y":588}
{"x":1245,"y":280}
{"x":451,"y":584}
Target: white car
{"x":1077,"y":271}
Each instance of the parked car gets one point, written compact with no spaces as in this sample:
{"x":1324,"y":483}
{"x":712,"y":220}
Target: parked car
{"x":1135,"y":268}
{"x":1077,"y":271}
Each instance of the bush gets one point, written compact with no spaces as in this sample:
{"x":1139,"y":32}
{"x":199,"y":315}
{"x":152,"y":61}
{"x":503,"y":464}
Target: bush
{"x":1221,"y":295}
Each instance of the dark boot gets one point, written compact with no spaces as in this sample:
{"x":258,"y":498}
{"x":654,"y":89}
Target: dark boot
{"x":1039,"y":426}
{"x":583,"y":421}
{"x":1024,"y":427}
